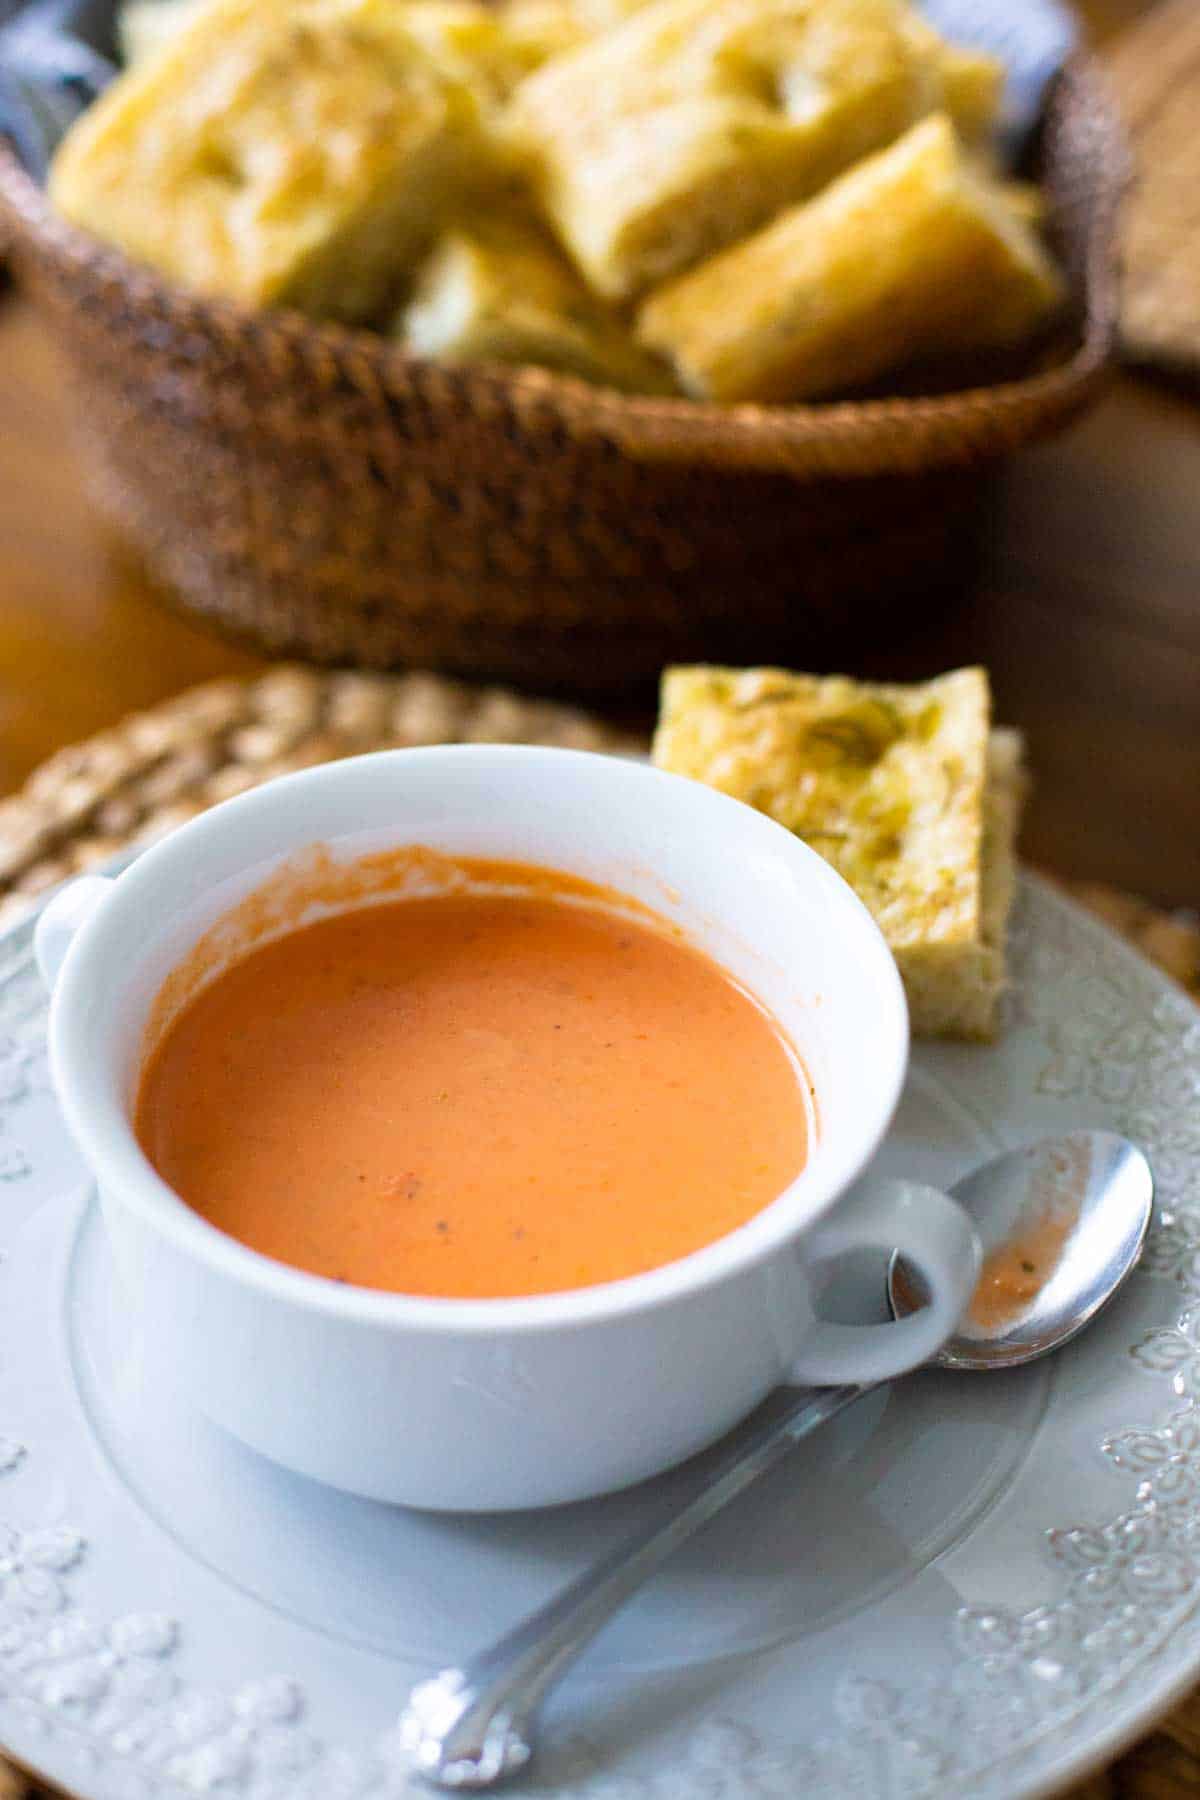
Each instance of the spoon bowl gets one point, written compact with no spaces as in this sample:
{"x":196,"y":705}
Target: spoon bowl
{"x":1062,"y":1223}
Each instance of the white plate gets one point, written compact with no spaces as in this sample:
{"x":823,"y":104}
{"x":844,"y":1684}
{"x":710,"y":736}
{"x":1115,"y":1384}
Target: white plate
{"x":998,"y":1587}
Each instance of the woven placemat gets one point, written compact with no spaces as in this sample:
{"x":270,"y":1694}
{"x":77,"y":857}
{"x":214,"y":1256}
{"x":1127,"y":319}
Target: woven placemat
{"x":147,"y":775}
{"x":138,"y":781}
{"x":1155,"y":69}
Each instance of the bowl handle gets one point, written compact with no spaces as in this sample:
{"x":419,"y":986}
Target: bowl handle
{"x":55,"y":931}
{"x":934,"y":1234}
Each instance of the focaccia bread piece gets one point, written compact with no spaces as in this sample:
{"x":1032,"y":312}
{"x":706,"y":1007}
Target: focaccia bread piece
{"x":687,"y":126}
{"x":972,"y":84}
{"x":1026,"y":202}
{"x":973,"y":1011}
{"x":965,"y":82}
{"x":541,"y":29}
{"x":144,"y":26}
{"x":602,"y":15}
{"x":297,"y":152}
{"x":502,"y":291}
{"x":969,"y":82}
{"x":911,"y":253}
{"x":476,"y":43}
{"x":490,"y":46}
{"x":905,"y":790}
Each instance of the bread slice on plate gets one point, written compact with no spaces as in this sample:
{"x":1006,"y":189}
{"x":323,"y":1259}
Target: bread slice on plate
{"x":915,"y":251}
{"x":296,"y":152}
{"x":907,"y":791}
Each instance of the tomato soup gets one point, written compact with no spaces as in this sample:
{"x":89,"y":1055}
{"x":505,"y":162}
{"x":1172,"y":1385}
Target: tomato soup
{"x":475,"y":1094}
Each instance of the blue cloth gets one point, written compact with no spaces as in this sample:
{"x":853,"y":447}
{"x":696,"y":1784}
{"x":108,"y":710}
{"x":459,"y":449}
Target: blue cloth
{"x":57,"y":55}
{"x":1032,"y":38}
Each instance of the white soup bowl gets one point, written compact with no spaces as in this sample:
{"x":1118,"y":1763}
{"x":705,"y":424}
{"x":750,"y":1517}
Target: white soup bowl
{"x":480,"y":1404}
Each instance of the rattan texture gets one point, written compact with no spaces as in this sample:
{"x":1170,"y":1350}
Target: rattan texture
{"x":323,"y":494}
{"x":156,"y":769}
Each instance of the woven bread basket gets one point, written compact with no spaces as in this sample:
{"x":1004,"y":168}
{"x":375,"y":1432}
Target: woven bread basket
{"x":324,"y":495}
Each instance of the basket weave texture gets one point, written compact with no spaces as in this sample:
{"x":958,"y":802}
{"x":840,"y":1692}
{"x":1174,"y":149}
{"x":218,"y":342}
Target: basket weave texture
{"x":136,"y":782}
{"x":328,"y":496}
{"x":133,"y":784}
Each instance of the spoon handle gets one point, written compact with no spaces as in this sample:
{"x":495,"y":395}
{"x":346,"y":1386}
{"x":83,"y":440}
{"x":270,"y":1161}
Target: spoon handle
{"x":471,"y":1726}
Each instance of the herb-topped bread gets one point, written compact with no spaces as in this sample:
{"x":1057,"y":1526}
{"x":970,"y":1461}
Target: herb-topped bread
{"x":907,"y":791}
{"x":296,"y":152}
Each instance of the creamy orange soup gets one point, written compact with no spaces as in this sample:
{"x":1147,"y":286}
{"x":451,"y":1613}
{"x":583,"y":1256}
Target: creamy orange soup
{"x":475,"y":1094}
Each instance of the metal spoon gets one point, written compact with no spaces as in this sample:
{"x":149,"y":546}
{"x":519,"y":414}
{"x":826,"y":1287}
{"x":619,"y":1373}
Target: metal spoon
{"x":1065,"y":1218}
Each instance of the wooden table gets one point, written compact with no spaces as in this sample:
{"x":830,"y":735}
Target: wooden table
{"x":1088,"y":615}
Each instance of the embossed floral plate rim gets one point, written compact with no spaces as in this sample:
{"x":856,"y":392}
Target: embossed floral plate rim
{"x":107,"y":1704}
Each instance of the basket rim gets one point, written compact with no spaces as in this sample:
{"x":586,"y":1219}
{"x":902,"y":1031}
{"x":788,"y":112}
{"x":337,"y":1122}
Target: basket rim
{"x":817,"y":438}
